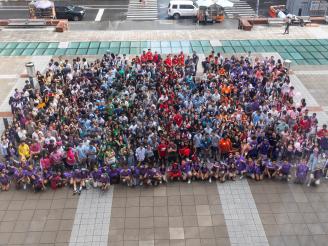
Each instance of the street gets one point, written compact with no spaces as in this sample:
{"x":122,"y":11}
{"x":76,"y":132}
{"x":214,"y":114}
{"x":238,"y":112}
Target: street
{"x":114,"y":10}
{"x":122,"y":14}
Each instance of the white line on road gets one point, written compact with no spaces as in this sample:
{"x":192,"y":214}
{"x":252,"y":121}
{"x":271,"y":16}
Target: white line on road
{"x":115,"y":8}
{"x":99,"y":14}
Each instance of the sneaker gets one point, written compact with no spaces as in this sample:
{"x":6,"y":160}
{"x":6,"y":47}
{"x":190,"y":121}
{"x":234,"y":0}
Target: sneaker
{"x":189,"y":181}
{"x":24,"y":187}
{"x":210,"y":180}
{"x":241,"y":177}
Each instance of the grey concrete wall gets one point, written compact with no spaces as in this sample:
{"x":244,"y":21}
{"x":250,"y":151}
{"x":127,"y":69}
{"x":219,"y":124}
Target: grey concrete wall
{"x":294,"y":6}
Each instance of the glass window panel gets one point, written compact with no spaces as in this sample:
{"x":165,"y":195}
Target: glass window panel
{"x":50,"y":51}
{"x":43,"y":45}
{"x":135,"y":44}
{"x":105,"y":44}
{"x":27,"y":52}
{"x":11,"y":45}
{"x":53,"y":45}
{"x":81,"y":51}
{"x":60,"y":52}
{"x":165,"y":44}
{"x":39,"y":51}
{"x":32,"y":45}
{"x":16,"y":52}
{"x":94,"y":45}
{"x":71,"y":51}
{"x":22,"y":45}
{"x":125,"y":44}
{"x":175,"y":44}
{"x":6,"y":52}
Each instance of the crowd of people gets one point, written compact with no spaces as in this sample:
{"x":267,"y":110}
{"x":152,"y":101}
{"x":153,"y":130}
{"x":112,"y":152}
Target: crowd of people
{"x":154,"y":119}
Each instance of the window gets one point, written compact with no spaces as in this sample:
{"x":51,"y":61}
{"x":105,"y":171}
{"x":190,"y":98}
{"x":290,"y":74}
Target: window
{"x":174,"y":6}
{"x":186,"y":7}
{"x":59,"y":8}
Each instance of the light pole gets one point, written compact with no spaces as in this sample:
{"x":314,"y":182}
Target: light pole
{"x":257,"y":8}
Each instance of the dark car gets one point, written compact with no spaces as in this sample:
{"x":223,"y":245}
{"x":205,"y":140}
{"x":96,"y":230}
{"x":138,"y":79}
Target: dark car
{"x":69,"y":12}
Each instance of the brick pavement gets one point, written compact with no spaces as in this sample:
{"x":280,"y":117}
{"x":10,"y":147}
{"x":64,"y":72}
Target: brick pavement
{"x":172,"y":214}
{"x":28,"y":218}
{"x":177,"y":213}
{"x":292,"y":214}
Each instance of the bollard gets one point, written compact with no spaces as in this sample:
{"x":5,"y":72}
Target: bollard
{"x":30,"y":69}
{"x":287,"y":64}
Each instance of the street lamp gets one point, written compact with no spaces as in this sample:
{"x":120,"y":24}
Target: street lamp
{"x":257,"y":7}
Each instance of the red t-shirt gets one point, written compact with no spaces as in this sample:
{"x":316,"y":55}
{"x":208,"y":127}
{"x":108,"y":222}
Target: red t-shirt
{"x":161,"y":148}
{"x":156,"y":58}
{"x":321,"y":133}
{"x":168,"y":62}
{"x":185,"y":152}
{"x":178,"y":119}
{"x":144,"y":58}
{"x":45,"y":163}
{"x":149,"y":56}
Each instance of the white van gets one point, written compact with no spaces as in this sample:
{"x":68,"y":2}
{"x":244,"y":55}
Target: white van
{"x":179,"y":8}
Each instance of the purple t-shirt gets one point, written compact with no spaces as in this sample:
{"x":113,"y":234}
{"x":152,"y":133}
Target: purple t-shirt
{"x":125,"y":172}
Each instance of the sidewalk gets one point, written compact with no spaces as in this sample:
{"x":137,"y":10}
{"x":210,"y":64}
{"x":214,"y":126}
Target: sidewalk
{"x":258,"y":32}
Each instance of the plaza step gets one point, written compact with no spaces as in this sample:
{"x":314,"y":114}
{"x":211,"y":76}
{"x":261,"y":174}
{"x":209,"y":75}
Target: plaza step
{"x":240,"y":8}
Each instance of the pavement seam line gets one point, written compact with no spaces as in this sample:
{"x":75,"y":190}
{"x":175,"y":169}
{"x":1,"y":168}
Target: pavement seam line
{"x":241,"y":216}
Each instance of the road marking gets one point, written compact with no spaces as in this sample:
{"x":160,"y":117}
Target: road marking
{"x":100,"y":14}
{"x":146,"y":10}
{"x":242,"y":218}
{"x":92,"y":8}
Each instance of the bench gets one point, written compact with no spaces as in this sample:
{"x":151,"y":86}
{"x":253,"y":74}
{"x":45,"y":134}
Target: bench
{"x":258,"y":21}
{"x":302,"y":20}
{"x":276,"y":21}
{"x":306,"y":19}
{"x":26,"y":23}
{"x":244,"y":25}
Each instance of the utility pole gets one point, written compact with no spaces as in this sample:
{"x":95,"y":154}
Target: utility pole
{"x":257,"y":8}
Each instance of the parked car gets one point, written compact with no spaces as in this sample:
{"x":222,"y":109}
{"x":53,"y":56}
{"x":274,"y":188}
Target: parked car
{"x":69,"y":12}
{"x":179,"y":8}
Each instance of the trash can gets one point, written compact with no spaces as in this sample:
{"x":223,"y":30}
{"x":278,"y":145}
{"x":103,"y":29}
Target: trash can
{"x":30,"y":69}
{"x":287,"y":64}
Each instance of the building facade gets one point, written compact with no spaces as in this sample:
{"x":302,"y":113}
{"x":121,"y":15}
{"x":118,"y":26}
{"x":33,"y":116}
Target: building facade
{"x":307,"y":7}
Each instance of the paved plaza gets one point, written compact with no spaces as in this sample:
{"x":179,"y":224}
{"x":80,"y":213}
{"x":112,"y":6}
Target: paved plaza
{"x":244,"y":212}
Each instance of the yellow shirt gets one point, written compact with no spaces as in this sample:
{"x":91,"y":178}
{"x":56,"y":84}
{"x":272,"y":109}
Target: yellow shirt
{"x":24,"y":150}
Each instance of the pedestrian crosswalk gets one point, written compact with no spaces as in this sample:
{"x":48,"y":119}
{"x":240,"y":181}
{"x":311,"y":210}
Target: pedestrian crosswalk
{"x":240,"y":8}
{"x":142,"y":10}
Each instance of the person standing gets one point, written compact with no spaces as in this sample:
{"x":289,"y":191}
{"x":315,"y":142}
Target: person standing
{"x":288,"y":23}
